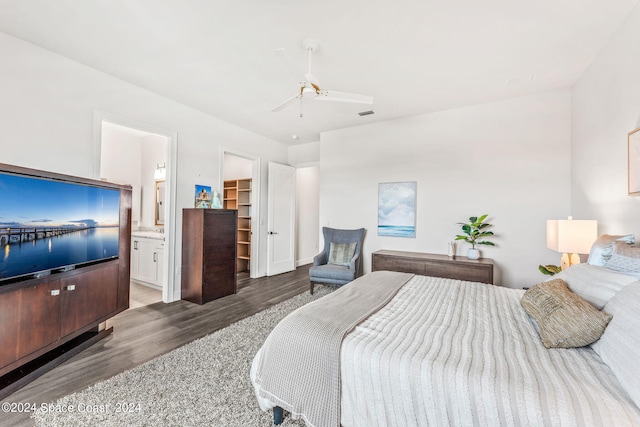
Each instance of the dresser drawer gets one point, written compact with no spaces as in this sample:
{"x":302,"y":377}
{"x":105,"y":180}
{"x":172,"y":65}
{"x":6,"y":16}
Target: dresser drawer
{"x":459,"y":268}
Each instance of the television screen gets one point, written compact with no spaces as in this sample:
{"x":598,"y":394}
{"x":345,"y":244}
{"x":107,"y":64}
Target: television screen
{"x":48,"y":224}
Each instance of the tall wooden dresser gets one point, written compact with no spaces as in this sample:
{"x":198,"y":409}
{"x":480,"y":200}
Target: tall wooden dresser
{"x":209,"y":244}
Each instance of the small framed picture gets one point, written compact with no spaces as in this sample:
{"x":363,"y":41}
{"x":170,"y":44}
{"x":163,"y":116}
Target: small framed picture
{"x":203,"y":197}
{"x":634,"y":162}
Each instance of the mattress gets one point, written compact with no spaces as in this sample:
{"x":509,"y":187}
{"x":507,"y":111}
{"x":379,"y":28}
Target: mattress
{"x":447,"y":352}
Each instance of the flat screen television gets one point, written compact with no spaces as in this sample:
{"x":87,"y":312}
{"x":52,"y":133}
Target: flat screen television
{"x":49,"y":225}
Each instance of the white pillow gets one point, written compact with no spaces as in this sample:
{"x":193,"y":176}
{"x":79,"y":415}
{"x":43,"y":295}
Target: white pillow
{"x":619,"y":346}
{"x":602,"y":249}
{"x":595,"y":284}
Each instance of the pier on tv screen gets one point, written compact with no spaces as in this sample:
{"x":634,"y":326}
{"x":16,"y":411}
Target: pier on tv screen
{"x":48,"y":224}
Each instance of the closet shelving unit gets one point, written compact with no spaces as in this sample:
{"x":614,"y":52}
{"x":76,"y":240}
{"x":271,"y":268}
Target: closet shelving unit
{"x":237,"y":195}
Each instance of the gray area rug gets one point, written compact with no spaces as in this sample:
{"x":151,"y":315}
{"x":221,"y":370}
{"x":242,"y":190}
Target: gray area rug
{"x":204,"y":383}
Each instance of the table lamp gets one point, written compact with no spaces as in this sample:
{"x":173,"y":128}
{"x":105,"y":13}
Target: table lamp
{"x":571,"y":237}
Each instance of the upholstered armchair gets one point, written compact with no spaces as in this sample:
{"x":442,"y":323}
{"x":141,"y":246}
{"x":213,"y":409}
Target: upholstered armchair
{"x":341,"y":260}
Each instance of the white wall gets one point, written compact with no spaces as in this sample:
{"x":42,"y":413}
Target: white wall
{"x":509,"y":159}
{"x":46,"y":115}
{"x":307,"y":214}
{"x":236,"y":167}
{"x":303,"y":155}
{"x":121,"y":156}
{"x":154,"y":148}
{"x":606,"y":106}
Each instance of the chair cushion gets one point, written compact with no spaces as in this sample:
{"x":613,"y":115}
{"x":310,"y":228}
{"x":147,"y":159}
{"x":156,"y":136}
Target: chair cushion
{"x":332,"y":272}
{"x":341,"y":253}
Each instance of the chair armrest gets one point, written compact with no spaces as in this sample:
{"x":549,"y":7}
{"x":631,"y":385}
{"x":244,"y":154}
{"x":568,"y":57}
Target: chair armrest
{"x":353,"y":263}
{"x":320,"y":259}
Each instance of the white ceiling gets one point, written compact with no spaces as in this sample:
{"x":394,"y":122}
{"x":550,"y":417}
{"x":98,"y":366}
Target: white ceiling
{"x":412,"y":56}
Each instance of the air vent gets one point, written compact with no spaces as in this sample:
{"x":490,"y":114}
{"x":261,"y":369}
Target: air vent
{"x":365,"y":113}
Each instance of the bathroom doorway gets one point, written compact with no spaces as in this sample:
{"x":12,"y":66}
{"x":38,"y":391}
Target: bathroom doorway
{"x":143,"y":157}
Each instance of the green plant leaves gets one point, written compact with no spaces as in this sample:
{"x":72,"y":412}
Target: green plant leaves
{"x":474,"y":230}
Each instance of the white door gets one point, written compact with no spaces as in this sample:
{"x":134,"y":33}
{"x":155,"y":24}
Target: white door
{"x":281,"y":219}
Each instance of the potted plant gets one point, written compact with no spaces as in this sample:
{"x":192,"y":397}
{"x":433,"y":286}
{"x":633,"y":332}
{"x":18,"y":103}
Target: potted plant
{"x":474,"y":231}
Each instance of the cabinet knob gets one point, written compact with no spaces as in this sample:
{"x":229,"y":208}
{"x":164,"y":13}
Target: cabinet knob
{"x":55,"y":292}
{"x":71,"y":287}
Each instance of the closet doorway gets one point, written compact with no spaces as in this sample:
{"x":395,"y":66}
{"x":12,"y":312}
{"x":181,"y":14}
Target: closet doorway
{"x":240,"y":188}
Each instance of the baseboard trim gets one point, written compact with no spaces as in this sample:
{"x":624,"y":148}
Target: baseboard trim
{"x":305,"y":261}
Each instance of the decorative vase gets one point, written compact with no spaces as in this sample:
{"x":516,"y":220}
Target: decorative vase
{"x":473,"y":253}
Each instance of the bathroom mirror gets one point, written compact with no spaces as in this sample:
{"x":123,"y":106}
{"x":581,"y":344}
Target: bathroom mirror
{"x":160,"y":187}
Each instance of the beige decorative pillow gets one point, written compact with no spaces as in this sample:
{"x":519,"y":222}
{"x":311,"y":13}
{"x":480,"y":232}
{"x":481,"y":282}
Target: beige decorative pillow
{"x":565,"y":320}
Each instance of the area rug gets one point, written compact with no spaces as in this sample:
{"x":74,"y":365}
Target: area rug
{"x":204,"y":383}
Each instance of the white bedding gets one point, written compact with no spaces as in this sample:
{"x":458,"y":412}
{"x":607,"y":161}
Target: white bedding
{"x":446,"y":352}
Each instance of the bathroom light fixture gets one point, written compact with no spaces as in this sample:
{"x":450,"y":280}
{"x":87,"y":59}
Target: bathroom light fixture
{"x":161,"y":172}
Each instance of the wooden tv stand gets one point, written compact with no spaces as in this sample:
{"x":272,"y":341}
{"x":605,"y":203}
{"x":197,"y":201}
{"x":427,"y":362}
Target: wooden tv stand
{"x":45,"y":321}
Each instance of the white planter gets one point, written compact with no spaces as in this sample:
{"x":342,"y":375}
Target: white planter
{"x":473,"y":253}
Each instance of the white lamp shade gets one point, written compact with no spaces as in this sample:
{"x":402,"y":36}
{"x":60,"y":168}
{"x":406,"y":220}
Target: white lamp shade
{"x":571,"y":236}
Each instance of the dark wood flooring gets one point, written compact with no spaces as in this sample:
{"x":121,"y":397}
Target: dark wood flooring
{"x":144,"y":333}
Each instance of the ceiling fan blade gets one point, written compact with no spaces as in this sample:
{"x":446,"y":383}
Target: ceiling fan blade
{"x":286,"y":103}
{"x":311,"y":78}
{"x":330,"y":95}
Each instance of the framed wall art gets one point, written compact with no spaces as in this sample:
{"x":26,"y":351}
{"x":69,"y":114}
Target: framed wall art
{"x":397,"y":209}
{"x":634,"y":162}
{"x":203,"y":197}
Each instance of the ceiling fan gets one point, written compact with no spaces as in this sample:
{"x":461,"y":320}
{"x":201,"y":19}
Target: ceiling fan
{"x":310,"y":86}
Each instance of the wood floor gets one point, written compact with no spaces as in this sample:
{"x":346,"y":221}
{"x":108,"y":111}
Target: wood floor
{"x":144,"y":333}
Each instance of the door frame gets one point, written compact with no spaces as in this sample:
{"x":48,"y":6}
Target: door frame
{"x":170,"y":292}
{"x":256,"y":231}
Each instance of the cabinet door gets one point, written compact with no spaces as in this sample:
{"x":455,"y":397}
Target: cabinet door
{"x":159,"y":257}
{"x":146,"y":260}
{"x":29,"y":320}
{"x":88,"y":297}
{"x":219,"y":256}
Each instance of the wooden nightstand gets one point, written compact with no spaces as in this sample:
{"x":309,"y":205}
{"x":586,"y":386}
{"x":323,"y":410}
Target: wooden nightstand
{"x":459,"y":267}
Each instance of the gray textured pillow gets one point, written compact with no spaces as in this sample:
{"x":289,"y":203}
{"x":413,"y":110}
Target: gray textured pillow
{"x":625,"y":259}
{"x":602,"y":248}
{"x":565,"y":319}
{"x":341,"y":253}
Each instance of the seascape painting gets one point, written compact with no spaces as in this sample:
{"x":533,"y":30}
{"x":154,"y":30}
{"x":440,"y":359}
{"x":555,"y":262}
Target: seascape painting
{"x":397,"y":209}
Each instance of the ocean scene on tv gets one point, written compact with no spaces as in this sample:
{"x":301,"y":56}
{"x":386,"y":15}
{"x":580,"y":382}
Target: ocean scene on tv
{"x":46,"y":224}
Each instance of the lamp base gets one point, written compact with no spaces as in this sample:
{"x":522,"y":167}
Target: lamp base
{"x":568,"y":260}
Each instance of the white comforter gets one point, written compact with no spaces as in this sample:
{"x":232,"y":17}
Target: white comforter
{"x":446,"y":352}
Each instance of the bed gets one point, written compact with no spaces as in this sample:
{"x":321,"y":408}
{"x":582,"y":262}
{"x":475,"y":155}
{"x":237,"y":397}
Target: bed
{"x":436,"y":351}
